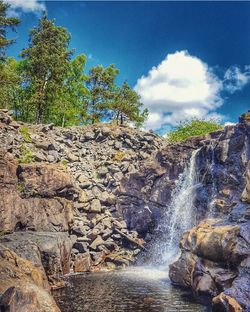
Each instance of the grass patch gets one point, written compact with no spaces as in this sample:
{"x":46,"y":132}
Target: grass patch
{"x":25,"y":134}
{"x":26,"y":156}
{"x":195,"y":127}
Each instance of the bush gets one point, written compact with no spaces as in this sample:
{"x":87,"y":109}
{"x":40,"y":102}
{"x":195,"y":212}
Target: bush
{"x":26,"y":156}
{"x":25,"y":134}
{"x":195,"y":127}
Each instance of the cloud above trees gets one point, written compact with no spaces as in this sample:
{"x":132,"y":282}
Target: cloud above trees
{"x":182,"y":86}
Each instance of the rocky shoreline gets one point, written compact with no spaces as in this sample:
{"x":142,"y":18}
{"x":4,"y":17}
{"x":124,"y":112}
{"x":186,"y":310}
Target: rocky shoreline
{"x":90,"y":199}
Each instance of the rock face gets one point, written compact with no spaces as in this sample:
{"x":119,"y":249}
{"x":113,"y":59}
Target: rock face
{"x":24,"y":286}
{"x":215,"y":255}
{"x":215,"y":259}
{"x":68,"y":179}
{"x":89,"y":198}
{"x":33,"y":201}
{"x":47,"y":250}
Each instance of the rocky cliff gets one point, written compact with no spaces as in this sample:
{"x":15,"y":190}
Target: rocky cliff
{"x":93,"y":198}
{"x":215,"y":255}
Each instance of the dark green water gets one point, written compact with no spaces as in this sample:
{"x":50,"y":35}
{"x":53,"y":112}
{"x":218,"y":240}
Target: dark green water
{"x":133,"y":290}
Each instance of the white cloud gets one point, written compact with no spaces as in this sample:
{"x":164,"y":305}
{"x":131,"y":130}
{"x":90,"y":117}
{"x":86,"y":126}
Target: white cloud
{"x":181,"y":87}
{"x":25,"y":6}
{"x":235,"y":79}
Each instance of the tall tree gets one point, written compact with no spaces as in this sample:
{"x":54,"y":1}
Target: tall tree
{"x":47,"y":64}
{"x":126,"y":106}
{"x":5,"y":23}
{"x":100,"y":84}
{"x":10,"y":83}
{"x":70,"y":109}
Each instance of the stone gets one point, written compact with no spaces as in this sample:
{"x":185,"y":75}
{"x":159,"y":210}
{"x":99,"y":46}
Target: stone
{"x":50,"y":251}
{"x":97,"y":242}
{"x":23,"y":285}
{"x":95,"y":206}
{"x":82,"y":263}
{"x":246,"y":193}
{"x":72,"y":157}
{"x":45,"y":180}
{"x":89,"y":135}
{"x":81,"y":246}
{"x":33,"y":197}
{"x":103,"y":171}
{"x":224,"y":303}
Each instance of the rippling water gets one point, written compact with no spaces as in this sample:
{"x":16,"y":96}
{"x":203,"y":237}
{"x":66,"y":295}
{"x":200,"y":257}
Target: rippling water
{"x":133,"y":290}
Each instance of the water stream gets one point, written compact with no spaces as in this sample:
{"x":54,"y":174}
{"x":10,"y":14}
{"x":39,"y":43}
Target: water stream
{"x":142,"y":289}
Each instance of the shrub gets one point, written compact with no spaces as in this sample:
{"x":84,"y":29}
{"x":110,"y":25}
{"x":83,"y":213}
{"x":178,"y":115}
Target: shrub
{"x":118,"y":156}
{"x":25,"y":134}
{"x":195,"y":127}
{"x":26,"y":155}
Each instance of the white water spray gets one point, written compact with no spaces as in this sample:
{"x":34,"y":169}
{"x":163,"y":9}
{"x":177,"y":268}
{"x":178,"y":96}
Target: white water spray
{"x":180,"y":215}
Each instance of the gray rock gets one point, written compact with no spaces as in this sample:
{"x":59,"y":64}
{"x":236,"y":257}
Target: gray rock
{"x":95,"y":206}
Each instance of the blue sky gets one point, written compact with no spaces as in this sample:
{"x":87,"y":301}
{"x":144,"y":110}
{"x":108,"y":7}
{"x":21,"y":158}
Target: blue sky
{"x":194,"y":56}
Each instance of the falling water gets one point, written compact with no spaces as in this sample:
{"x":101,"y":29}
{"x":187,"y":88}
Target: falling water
{"x":180,"y":215}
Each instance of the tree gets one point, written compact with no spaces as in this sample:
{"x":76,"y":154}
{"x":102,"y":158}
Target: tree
{"x":47,"y":62}
{"x":194,"y":127}
{"x":10,"y":83}
{"x":5,"y":22}
{"x":100,"y":83}
{"x":126,"y":106}
{"x":70,"y":109}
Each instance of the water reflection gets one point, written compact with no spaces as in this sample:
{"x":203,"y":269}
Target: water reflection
{"x":134,"y":290}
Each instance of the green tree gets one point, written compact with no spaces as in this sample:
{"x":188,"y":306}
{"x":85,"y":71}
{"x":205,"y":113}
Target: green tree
{"x":70,"y":109}
{"x":194,"y":127}
{"x":5,"y":23}
{"x":47,"y":62}
{"x":10,"y":83}
{"x":101,"y":85}
{"x":126,"y":106}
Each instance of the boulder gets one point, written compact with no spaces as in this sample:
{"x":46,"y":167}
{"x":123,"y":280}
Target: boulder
{"x":45,"y":180}
{"x":33,"y":196}
{"x":24,"y":285}
{"x":26,"y":299}
{"x":95,"y":206}
{"x":48,"y":251}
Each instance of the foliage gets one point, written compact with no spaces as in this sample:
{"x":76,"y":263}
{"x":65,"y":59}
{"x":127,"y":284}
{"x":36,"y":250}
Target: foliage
{"x":21,"y":187}
{"x":47,"y":59}
{"x":126,"y":106}
{"x":5,"y":23}
{"x":100,"y":83}
{"x":192,"y":128}
{"x":69,"y":106}
{"x":26,"y":156}
{"x":25,"y":134}
{"x":118,"y":156}
{"x":46,"y":85}
{"x":10,"y":81}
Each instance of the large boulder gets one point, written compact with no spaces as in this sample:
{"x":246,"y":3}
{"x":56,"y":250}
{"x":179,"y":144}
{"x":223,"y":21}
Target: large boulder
{"x":46,"y":250}
{"x":215,"y":261}
{"x":23,"y":285}
{"x":34,"y":196}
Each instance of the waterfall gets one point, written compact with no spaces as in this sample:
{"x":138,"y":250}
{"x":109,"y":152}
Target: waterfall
{"x":180,"y":215}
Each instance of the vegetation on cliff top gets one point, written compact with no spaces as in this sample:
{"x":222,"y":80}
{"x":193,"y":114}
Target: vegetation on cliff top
{"x":195,"y":127}
{"x":48,"y":85}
